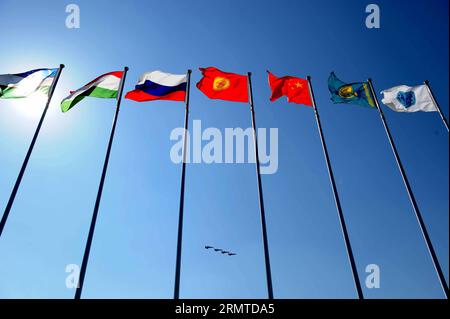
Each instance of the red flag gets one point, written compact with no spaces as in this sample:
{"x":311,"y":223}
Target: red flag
{"x":216,"y":84}
{"x":295,"y":89}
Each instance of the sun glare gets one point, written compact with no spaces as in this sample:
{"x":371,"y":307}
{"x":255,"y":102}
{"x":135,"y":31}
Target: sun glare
{"x":32,"y":106}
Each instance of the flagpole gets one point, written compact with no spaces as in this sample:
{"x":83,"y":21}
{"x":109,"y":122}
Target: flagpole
{"x":260,"y":194}
{"x":30,"y":150}
{"x":411,"y":197}
{"x":176,"y":294}
{"x":336,"y":196}
{"x":427,"y":84}
{"x":99,"y":193}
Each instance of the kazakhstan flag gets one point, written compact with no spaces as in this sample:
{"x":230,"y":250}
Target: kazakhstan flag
{"x":355,"y":93}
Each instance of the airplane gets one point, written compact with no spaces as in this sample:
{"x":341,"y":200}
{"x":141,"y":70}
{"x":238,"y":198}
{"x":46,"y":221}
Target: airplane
{"x":231,"y":254}
{"x":225,"y":252}
{"x":208,"y":247}
{"x":217,"y":249}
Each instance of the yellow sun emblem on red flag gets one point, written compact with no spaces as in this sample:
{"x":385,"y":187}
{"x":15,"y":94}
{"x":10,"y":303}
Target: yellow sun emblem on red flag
{"x":221,"y":83}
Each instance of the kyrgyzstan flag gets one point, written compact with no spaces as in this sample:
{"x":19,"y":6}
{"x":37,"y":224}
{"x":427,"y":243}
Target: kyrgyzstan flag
{"x":295,"y":89}
{"x":216,"y":84}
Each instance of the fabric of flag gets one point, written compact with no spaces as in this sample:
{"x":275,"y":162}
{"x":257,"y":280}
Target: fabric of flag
{"x":354,"y":93}
{"x":104,"y":86}
{"x":295,"y":89}
{"x":220,"y":85}
{"x":22,"y":85}
{"x":405,"y":98}
{"x":159,"y":85}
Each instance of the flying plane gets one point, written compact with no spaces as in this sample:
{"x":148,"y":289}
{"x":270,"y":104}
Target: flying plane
{"x":217,"y":249}
{"x":225,"y":252}
{"x":231,"y":254}
{"x":208,"y":247}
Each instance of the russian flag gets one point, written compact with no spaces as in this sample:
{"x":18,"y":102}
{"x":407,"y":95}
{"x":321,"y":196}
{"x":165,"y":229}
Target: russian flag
{"x":157,"y":85}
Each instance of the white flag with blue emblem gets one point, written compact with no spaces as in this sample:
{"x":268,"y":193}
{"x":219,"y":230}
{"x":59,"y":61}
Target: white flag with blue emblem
{"x":405,"y":98}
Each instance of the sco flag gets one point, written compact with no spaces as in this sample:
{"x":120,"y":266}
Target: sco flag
{"x":220,"y":85}
{"x":405,"y":98}
{"x":352,"y":93}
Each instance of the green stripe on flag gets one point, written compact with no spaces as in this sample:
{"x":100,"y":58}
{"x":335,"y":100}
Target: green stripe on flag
{"x":93,"y":92}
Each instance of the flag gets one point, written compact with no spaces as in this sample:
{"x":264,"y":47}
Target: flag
{"x":354,"y":93}
{"x":216,"y":84}
{"x":405,"y":98}
{"x":157,"y":85}
{"x":105,"y":86}
{"x":24,"y":84}
{"x":295,"y":89}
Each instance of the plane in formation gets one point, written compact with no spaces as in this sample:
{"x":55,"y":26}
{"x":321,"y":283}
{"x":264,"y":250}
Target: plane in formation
{"x":221,"y":250}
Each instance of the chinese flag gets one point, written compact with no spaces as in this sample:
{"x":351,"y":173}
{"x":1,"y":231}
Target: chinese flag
{"x":295,"y":89}
{"x":216,"y":84}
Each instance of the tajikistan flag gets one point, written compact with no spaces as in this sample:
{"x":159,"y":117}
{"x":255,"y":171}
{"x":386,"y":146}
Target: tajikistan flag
{"x":22,"y":85}
{"x":105,"y":86}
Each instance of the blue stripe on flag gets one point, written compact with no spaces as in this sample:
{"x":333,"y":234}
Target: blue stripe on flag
{"x":25,"y":74}
{"x":158,"y":89}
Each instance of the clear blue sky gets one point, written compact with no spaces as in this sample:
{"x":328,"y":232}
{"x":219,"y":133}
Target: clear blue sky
{"x":133,"y":253}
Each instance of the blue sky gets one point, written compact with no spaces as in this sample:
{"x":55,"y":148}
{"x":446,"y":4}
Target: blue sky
{"x":133,"y":253}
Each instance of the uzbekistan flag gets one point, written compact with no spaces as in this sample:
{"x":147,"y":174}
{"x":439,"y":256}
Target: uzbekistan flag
{"x":22,"y":85}
{"x":105,"y":86}
{"x":157,"y":85}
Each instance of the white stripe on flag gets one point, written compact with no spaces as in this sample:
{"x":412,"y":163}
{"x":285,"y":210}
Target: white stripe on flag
{"x":166,"y":79}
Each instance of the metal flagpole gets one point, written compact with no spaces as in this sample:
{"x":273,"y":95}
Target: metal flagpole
{"x":427,"y":83}
{"x":30,"y":150}
{"x":411,"y":196}
{"x":176,"y":294}
{"x":99,"y":193}
{"x":260,"y":194}
{"x":336,"y":196}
